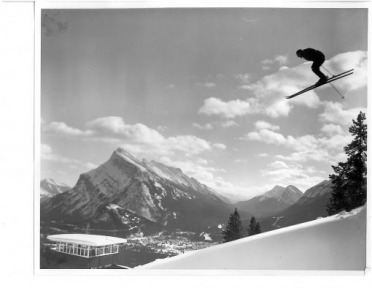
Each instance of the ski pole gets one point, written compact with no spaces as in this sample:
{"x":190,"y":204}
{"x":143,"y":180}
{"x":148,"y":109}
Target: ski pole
{"x":333,"y":86}
{"x":339,"y":93}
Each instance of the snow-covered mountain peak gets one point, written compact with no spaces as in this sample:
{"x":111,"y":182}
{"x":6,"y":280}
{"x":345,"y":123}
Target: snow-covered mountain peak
{"x":167,"y":172}
{"x":273,"y":193}
{"x":50,"y":181}
{"x":50,"y":187}
{"x":150,"y":190}
{"x":122,"y":153}
{"x":318,"y":190}
{"x":289,"y":194}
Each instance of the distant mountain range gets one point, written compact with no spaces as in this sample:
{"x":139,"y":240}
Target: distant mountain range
{"x":127,"y":193}
{"x":311,"y":205}
{"x":51,"y":187}
{"x":133,"y":195}
{"x":271,"y":202}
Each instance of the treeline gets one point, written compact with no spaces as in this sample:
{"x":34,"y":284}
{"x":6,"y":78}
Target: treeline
{"x":234,"y":229}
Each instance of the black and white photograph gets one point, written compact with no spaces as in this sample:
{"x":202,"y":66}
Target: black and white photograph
{"x":173,"y":136}
{"x":170,"y":143}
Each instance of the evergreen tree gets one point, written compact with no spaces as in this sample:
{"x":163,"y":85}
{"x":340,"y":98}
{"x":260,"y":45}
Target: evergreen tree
{"x":254,"y":227}
{"x":234,"y":228}
{"x":350,"y":178}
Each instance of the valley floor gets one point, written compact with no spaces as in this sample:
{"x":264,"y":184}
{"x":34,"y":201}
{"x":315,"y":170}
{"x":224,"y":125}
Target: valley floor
{"x":138,"y":250}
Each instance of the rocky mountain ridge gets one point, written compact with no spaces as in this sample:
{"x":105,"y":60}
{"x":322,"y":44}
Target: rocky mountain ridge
{"x":271,"y":202}
{"x":158,"y":195}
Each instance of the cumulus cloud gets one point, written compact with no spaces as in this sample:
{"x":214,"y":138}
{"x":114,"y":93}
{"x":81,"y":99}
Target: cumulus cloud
{"x":326,"y":147}
{"x":260,"y":125}
{"x":136,"y":138}
{"x":220,"y":146}
{"x":279,"y":59}
{"x":296,"y":174}
{"x":207,"y":126}
{"x":230,"y":109}
{"x":47,"y":154}
{"x":331,"y":129}
{"x":265,"y":132}
{"x":63,"y":129}
{"x":356,"y":60}
{"x":245,"y":78}
{"x":335,"y":113}
{"x":229,"y":123}
{"x":269,"y":92}
{"x":116,"y":127}
{"x":211,"y":176}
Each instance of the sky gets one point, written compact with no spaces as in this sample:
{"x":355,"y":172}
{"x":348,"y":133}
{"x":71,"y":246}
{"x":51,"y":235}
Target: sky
{"x":201,"y":89}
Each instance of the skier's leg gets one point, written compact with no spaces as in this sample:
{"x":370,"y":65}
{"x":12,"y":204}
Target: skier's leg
{"x":316,"y":69}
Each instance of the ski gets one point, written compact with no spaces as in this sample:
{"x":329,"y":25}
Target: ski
{"x":333,"y":78}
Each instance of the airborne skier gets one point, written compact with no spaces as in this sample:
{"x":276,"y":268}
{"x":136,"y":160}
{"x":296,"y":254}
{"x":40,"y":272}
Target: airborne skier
{"x":318,"y":59}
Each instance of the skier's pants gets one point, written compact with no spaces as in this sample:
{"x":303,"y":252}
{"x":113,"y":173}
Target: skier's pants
{"x":316,"y":67}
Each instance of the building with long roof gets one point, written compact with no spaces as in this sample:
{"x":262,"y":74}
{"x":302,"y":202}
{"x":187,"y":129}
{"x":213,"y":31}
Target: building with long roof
{"x":87,"y":250}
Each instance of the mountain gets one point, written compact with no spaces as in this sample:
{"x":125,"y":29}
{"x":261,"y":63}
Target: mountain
{"x":126,"y":193}
{"x":335,"y":243}
{"x":273,"y":201}
{"x":51,"y":187}
{"x":310,"y":206}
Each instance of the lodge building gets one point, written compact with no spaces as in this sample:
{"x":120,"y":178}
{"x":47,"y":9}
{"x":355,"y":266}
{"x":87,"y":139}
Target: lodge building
{"x":86,"y":250}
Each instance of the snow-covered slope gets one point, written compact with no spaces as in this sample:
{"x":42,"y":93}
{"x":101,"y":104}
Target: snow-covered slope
{"x":333,"y":243}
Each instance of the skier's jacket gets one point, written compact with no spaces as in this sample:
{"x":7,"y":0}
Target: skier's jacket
{"x":311,"y":54}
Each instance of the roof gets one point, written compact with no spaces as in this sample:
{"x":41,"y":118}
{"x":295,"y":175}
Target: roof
{"x":86,"y":239}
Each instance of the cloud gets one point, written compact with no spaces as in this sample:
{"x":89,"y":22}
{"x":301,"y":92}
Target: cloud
{"x":62,"y":129}
{"x":270,"y":91}
{"x":231,"y":109}
{"x":208,"y":175}
{"x":279,"y":59}
{"x":265,"y":132}
{"x":296,"y":174}
{"x":356,"y":60}
{"x":278,"y":165}
{"x":220,"y":146}
{"x":229,"y":123}
{"x":47,"y":154}
{"x":331,"y":129}
{"x":136,"y":138}
{"x":336,"y":114}
{"x":207,"y":126}
{"x":325,"y":147}
{"x":116,"y":127}
{"x":245,"y":78}
{"x":267,"y":136}
{"x":260,"y":125}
